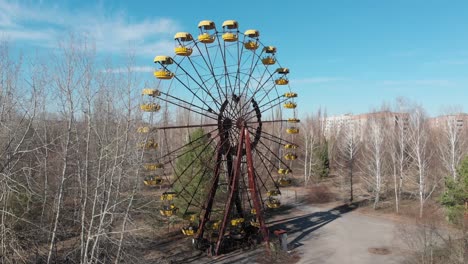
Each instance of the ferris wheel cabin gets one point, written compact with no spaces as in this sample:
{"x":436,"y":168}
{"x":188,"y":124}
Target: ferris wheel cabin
{"x":181,"y":39}
{"x":252,"y":43}
{"x":207,"y":31}
{"x":230,"y":31}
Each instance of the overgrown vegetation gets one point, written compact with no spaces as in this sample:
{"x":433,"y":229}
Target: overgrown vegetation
{"x":455,"y":197}
{"x":194,"y":169}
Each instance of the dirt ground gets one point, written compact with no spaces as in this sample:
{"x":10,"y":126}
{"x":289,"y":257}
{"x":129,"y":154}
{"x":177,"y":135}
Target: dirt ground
{"x":327,"y":233}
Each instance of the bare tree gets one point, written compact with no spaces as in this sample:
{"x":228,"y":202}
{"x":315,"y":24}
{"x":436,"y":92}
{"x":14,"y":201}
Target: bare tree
{"x":452,"y":144}
{"x":348,"y":145}
{"x":420,"y":154}
{"x":398,"y":150}
{"x":374,"y":157}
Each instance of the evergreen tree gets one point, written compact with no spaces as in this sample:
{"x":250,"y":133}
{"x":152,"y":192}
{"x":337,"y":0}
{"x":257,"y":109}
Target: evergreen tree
{"x":455,"y":196}
{"x":195,"y":169}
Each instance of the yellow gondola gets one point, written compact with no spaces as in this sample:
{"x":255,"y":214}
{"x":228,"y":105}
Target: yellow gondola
{"x":293,"y":120}
{"x":143,"y":130}
{"x":284,"y":182}
{"x":290,"y":156}
{"x":230,"y":30}
{"x":254,"y":222}
{"x":189,"y":230}
{"x":292,"y":130}
{"x":281,"y":81}
{"x":253,"y":211}
{"x":149,"y":144}
{"x":282,"y":71}
{"x":168,"y":210}
{"x":205,"y":36}
{"x":284,"y":171}
{"x":251,"y":44}
{"x":252,"y":33}
{"x":168,"y":196}
{"x":289,"y":105}
{"x":273,"y":193}
{"x":273,"y":203}
{"x":153,"y":180}
{"x":163,"y":74}
{"x":153,"y":166}
{"x":291,"y":146}
{"x":270,"y":49}
{"x":290,"y":95}
{"x":151,"y":107}
{"x":181,"y":49}
{"x":237,"y":221}
{"x":164,"y":60}
{"x":151,"y":92}
{"x":268,"y":60}
{"x":190,"y":216}
{"x":213,"y":225}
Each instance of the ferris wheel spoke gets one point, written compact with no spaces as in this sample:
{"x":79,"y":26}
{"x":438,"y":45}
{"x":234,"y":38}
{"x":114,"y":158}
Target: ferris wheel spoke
{"x":270,"y":107}
{"x":252,"y":97}
{"x":275,"y":137}
{"x":268,"y":92}
{"x":207,"y":90}
{"x":186,"y":126}
{"x":227,"y":79}
{"x":189,"y":166}
{"x":239,"y":59}
{"x":189,"y":143}
{"x":268,"y":172}
{"x":188,"y":108}
{"x":210,"y":66}
{"x":275,"y":155}
{"x":190,"y":181}
{"x":210,"y":110}
{"x":187,"y":87}
{"x":251,"y":71}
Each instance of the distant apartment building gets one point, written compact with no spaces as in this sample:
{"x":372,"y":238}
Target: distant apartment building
{"x":460,"y":120}
{"x":359,"y":123}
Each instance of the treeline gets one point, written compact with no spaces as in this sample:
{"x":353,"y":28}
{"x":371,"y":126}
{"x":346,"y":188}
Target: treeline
{"x":69,"y":165}
{"x":396,"y":152}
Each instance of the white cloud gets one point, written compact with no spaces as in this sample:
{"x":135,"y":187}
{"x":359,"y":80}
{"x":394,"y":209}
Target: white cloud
{"x":113,"y":33}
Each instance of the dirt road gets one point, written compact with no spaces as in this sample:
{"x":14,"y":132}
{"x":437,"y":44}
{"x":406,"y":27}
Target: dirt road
{"x":341,"y":235}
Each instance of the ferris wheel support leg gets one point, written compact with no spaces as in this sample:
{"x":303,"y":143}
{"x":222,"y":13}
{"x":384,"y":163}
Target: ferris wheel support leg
{"x":209,"y":201}
{"x":232,"y":193}
{"x":254,"y":190}
{"x":237,"y":200}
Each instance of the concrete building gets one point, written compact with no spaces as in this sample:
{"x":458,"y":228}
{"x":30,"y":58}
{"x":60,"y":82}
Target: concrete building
{"x":460,"y":120}
{"x":359,"y":123}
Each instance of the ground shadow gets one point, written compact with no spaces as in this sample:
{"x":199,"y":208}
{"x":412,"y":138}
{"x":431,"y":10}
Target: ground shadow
{"x":306,"y":224}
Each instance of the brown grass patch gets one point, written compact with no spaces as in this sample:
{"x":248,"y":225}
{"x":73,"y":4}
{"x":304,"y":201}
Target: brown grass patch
{"x":319,"y":194}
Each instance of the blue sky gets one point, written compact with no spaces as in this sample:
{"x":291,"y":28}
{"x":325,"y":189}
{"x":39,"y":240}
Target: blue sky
{"x":346,"y":56}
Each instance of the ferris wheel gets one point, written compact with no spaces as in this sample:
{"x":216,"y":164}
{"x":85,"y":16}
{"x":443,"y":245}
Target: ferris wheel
{"x":223,"y":163}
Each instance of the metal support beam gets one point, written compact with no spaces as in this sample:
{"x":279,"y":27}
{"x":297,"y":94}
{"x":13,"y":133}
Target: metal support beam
{"x":254,"y":190}
{"x":232,"y":193}
{"x":211,"y":194}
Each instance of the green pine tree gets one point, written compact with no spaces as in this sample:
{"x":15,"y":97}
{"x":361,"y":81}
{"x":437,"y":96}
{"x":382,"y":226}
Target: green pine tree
{"x":195,"y":169}
{"x":322,"y":167}
{"x":456,"y":194}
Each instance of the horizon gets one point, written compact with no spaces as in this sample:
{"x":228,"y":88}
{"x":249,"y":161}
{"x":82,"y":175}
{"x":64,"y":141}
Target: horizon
{"x":347,"y":58}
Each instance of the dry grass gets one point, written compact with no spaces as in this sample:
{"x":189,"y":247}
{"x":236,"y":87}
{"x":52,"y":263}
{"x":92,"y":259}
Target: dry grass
{"x":318,"y":194}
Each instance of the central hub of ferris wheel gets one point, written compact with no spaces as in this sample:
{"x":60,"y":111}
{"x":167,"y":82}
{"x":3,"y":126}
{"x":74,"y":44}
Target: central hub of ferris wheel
{"x":234,"y":115}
